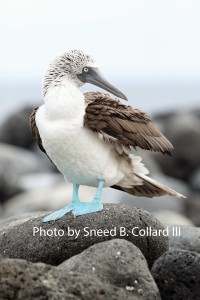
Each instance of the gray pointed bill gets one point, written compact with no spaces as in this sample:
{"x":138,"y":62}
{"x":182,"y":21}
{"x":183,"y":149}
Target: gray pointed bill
{"x":94,"y":77}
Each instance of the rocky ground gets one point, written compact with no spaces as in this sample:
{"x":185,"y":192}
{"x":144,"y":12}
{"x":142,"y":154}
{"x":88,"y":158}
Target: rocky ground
{"x":60,"y":260}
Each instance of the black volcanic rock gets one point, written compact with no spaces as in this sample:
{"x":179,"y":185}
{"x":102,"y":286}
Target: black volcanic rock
{"x":117,"y":262}
{"x":15,"y":129}
{"x":176,"y":273}
{"x":18,"y":241}
{"x":24,"y":280}
{"x":189,"y":238}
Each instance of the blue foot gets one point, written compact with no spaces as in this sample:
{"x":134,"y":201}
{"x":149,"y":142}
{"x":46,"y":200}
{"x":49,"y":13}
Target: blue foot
{"x":79,"y":208}
{"x":84,"y":208}
{"x":59,"y":213}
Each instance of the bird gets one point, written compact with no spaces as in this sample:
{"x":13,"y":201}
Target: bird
{"x":92,"y":137}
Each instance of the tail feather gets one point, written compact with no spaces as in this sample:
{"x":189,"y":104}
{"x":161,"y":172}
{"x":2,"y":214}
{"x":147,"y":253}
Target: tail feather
{"x":149,"y":188}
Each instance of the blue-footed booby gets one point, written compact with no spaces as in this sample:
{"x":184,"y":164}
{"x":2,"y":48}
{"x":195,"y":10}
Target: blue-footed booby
{"x":90,"y":137}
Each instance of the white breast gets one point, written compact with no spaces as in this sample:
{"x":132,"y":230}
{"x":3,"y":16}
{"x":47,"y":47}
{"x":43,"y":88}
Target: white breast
{"x":80,"y":155}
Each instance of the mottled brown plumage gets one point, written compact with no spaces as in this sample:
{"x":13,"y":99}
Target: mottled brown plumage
{"x":128,"y":127}
{"x":120,"y":124}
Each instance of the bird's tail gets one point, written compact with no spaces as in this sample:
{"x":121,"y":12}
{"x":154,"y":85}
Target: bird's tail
{"x":149,"y":188}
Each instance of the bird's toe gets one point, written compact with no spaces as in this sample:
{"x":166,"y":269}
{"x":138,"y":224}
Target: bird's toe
{"x":58,"y":214}
{"x":87,"y":208}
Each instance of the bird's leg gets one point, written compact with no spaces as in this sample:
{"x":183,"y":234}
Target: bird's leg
{"x":75,"y":198}
{"x":60,"y":213}
{"x":84,"y":208}
{"x":97,"y":197}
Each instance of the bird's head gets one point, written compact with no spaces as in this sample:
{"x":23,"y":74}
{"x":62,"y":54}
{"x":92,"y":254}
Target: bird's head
{"x":78,"y":67}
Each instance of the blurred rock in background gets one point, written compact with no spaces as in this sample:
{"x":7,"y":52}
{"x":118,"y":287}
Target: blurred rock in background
{"x":15,"y":129}
{"x":14,"y":163}
{"x":183,"y":130}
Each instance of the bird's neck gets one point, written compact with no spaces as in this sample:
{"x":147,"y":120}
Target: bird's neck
{"x":54,"y":77}
{"x":65,"y":101}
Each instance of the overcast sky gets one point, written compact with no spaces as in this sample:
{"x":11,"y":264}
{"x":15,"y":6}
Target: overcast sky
{"x":141,"y":38}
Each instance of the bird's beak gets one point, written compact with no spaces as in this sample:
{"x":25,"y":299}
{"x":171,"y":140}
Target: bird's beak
{"x":94,"y":77}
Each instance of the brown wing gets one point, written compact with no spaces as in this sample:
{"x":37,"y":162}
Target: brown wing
{"x":34,"y":129}
{"x":128,"y":127}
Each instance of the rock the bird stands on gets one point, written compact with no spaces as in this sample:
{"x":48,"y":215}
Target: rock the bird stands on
{"x":90,"y":136}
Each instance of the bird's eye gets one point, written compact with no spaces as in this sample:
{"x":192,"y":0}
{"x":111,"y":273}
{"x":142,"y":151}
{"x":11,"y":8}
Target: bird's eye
{"x":85,"y":70}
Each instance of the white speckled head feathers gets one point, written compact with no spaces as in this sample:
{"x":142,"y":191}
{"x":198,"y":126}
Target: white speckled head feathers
{"x":67,"y":65}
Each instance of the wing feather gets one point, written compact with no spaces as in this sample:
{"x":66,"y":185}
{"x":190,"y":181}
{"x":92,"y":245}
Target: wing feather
{"x":34,"y":129}
{"x":128,"y":126}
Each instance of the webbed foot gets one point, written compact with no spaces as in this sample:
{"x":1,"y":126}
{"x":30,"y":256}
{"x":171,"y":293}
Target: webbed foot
{"x":79,"y":208}
{"x":59,"y":213}
{"x":84,"y":208}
